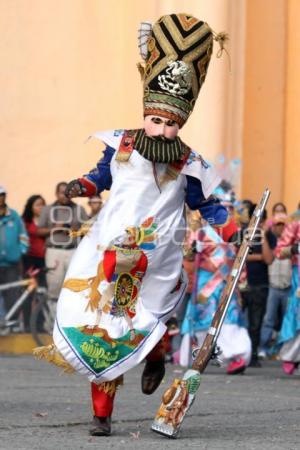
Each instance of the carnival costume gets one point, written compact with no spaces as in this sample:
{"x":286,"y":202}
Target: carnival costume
{"x":288,"y":247}
{"x":126,"y":279}
{"x":214,"y":259}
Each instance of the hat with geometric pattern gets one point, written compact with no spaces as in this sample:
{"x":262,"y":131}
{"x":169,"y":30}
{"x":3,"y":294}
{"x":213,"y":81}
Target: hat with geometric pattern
{"x":177,"y":51}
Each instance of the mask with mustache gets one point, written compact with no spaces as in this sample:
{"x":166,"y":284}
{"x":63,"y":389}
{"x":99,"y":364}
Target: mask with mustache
{"x":158,"y":148}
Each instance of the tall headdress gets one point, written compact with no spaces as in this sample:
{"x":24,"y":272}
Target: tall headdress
{"x":177,"y":51}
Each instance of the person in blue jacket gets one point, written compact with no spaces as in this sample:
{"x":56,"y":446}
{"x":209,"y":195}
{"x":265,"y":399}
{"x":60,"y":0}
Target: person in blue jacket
{"x":13,"y":244}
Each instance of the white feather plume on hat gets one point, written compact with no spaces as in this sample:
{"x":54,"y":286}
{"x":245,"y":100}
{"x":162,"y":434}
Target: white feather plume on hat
{"x":143,"y":34}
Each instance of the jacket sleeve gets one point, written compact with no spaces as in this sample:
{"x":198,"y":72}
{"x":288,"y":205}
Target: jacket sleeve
{"x":23,"y":236}
{"x":99,"y":179}
{"x":210,"y":209}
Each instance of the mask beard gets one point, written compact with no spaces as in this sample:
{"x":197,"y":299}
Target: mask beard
{"x":158,"y":148}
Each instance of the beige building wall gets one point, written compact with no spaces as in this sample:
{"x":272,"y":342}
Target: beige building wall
{"x":291,"y":158}
{"x":264,"y":99}
{"x":68,"y":68}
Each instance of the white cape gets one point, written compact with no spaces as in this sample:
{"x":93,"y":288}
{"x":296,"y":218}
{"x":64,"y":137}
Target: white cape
{"x":134,"y":299}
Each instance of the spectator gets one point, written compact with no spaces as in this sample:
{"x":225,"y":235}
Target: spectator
{"x":13,"y":244}
{"x":35,"y":258}
{"x":95,"y":203}
{"x":255,"y":296}
{"x":214,"y":260}
{"x":55,"y":223}
{"x":295,"y":216}
{"x":280,"y":274}
{"x":189,"y":266}
{"x":278,"y":208}
{"x":243,"y":212}
{"x":288,"y":246}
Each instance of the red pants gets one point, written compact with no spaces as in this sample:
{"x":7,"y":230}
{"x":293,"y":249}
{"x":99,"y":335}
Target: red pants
{"x":103,"y":403}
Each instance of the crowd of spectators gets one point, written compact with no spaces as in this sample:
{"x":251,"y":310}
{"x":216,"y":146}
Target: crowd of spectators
{"x":41,"y":239}
{"x":265,"y":285}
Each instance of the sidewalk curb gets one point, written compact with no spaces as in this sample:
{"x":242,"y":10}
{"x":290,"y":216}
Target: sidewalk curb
{"x":19,"y":344}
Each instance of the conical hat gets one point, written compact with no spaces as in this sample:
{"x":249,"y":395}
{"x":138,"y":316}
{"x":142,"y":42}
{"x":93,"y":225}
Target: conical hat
{"x":179,"y":51}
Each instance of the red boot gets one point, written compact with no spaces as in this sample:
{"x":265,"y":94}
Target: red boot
{"x":103,"y":396}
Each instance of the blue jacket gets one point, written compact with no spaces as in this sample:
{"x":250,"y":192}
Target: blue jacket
{"x":13,"y":238}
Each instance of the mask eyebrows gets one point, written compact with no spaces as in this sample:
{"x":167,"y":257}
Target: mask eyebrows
{"x":156,"y":120}
{"x":159,"y":120}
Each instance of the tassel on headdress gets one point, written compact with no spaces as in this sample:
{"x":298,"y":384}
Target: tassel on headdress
{"x":141,"y":70}
{"x":221,"y":38}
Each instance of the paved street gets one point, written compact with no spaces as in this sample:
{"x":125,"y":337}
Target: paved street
{"x":41,"y":409}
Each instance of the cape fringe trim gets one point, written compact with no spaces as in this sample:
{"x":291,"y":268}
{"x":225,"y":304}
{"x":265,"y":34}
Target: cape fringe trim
{"x":52,"y":355}
{"x":110,"y":387}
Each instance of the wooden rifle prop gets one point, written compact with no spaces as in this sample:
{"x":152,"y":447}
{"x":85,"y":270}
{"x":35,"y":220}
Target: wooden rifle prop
{"x":178,"y":399}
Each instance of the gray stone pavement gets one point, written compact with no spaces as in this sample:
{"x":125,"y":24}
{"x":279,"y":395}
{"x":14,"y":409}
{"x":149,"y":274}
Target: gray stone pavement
{"x":41,"y":409}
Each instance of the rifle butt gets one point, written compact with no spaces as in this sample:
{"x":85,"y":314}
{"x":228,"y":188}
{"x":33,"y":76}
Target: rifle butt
{"x":176,"y":401}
